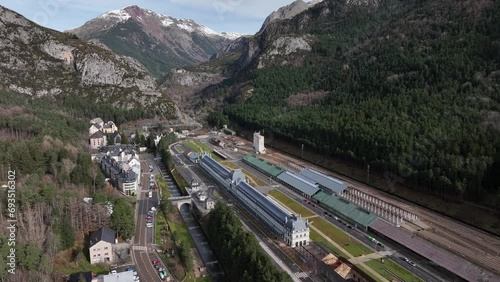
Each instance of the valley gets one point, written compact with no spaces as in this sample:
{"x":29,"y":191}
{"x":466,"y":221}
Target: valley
{"x":339,"y":140}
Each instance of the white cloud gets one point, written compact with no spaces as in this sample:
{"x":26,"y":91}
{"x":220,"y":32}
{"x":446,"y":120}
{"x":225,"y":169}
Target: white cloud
{"x":243,"y":16}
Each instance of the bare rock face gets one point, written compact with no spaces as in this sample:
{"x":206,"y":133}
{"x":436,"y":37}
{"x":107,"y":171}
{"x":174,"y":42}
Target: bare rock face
{"x":41,"y":62}
{"x":282,"y":48}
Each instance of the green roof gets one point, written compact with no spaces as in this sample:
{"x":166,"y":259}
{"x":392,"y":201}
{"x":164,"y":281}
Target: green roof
{"x":229,"y":131}
{"x":263,"y":166}
{"x":345,"y":208}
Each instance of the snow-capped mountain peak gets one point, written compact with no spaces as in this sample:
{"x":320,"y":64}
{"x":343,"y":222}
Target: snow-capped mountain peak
{"x":121,"y":15}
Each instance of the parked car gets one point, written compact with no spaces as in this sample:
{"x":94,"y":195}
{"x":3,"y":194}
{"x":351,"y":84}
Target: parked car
{"x":149,"y":224}
{"x":112,"y":271}
{"x":149,"y":217}
{"x":155,"y":261}
{"x":136,"y":278}
{"x":130,"y":269}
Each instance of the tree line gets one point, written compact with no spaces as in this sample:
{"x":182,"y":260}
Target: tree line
{"x":237,"y":250}
{"x":416,"y":105}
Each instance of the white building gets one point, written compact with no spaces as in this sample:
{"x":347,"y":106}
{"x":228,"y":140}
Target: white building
{"x":125,"y":180}
{"x":101,"y":245}
{"x":290,"y":227}
{"x":258,"y":143}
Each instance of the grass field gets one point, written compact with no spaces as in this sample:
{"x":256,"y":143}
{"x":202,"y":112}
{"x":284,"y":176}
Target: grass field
{"x":181,"y":182}
{"x":393,"y":267}
{"x":369,"y":273}
{"x":255,"y":179}
{"x":82,"y":265}
{"x":230,"y":165}
{"x":217,"y":195}
{"x":178,"y":225}
{"x":291,"y":204}
{"x":162,"y":184}
{"x":340,"y":237}
{"x":199,"y":147}
{"x":191,"y":145}
{"x":314,"y":236}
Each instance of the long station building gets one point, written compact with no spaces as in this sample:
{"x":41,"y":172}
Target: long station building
{"x":290,"y":227}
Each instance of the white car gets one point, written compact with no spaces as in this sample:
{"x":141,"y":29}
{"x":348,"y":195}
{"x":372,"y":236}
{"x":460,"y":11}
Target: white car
{"x":149,"y":224}
{"x":136,"y":278}
{"x":112,"y":272}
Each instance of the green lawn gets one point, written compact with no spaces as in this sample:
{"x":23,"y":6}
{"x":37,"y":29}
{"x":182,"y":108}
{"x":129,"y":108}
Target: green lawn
{"x":181,"y":230}
{"x":181,"y":182}
{"x":393,"y":267}
{"x":162,"y":184}
{"x":217,"y":195}
{"x":340,"y":237}
{"x":203,"y":146}
{"x":179,"y":148}
{"x":82,"y":265}
{"x":230,"y":165}
{"x":291,"y":204}
{"x":191,"y":278}
{"x":198,"y":147}
{"x":257,"y":180}
{"x":314,"y":236}
{"x":369,"y":273}
{"x":192,"y":146}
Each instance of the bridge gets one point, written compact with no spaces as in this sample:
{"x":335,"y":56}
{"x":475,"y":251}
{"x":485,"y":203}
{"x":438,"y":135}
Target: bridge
{"x":179,"y":201}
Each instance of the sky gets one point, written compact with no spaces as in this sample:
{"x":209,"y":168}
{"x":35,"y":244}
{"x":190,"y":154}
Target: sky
{"x":242,"y":16}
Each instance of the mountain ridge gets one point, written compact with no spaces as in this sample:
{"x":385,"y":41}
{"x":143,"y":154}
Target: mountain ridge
{"x":158,"y":41}
{"x":41,"y":62}
{"x":383,"y":68}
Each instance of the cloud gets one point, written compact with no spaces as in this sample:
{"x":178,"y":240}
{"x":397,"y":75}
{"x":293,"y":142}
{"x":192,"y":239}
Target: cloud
{"x":221,"y":15}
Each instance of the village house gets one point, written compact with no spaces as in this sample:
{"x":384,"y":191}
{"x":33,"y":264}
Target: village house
{"x":98,"y":140}
{"x":101,"y":245}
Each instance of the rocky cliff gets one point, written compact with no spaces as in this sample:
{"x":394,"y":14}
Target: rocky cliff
{"x":41,"y":62}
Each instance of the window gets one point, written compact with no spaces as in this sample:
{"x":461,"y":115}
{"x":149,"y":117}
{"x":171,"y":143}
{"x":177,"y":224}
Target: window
{"x":94,"y":255}
{"x":106,"y":254}
{"x":105,"y":248}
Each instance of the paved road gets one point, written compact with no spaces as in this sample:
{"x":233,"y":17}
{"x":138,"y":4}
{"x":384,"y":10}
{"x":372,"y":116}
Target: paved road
{"x":143,"y":252}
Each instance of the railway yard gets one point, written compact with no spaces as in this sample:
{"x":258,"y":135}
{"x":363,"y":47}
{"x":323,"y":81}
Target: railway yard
{"x":463,"y":240}
{"x":468,"y":252}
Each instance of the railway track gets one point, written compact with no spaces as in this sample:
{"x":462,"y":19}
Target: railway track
{"x":477,"y":246}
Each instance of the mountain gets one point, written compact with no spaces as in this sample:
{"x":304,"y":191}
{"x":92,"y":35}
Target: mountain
{"x":159,"y":42}
{"x":289,"y":11}
{"x":45,"y":63}
{"x":402,"y":86}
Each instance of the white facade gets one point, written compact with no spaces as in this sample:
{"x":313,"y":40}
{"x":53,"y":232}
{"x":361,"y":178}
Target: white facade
{"x":291,"y":228}
{"x":258,"y":143}
{"x":93,"y":129}
{"x":135,"y":165}
{"x":101,"y":252}
{"x":129,"y":188}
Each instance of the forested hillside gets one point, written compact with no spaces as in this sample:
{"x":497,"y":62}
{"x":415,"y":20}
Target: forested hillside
{"x":238,"y":251}
{"x":44,"y":143}
{"x":409,"y":87}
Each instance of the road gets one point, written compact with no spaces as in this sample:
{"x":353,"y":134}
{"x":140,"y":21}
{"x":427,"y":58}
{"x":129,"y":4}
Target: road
{"x":143,"y":252}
